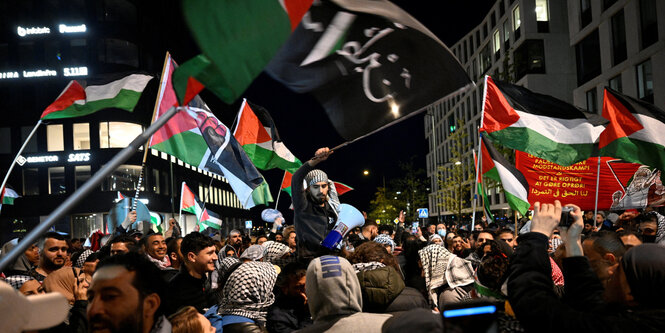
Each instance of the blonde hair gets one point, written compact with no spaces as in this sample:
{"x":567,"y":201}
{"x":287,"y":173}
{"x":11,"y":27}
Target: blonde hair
{"x":186,"y":320}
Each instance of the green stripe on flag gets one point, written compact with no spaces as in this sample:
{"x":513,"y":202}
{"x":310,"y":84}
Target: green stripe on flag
{"x":125,"y":100}
{"x":187,"y":146}
{"x":516,"y":203}
{"x":267,"y":159}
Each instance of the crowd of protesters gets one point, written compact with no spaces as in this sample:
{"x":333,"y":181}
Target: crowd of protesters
{"x":602,"y":273}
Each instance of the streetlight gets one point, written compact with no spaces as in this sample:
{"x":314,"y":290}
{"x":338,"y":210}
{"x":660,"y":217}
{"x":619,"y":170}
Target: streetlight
{"x":366,"y":172}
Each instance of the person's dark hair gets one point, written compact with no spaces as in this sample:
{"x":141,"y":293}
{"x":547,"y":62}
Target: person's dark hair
{"x":185,"y":320}
{"x":410,"y":250}
{"x":369,"y":223}
{"x":607,"y":241}
{"x":486,"y":232}
{"x":127,"y":239}
{"x":147,"y":279}
{"x":373,"y":251}
{"x":55,"y":235}
{"x":195,"y":242}
{"x":474,"y":234}
{"x":144,"y":240}
{"x":504,"y":231}
{"x":92,"y":257}
{"x":292,"y":270}
{"x":628,"y":232}
{"x":260,"y":236}
{"x":386,"y":227}
{"x":492,"y":271}
{"x":172,"y":245}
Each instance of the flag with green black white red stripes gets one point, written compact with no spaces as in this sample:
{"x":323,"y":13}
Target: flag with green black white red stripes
{"x":538,"y":124}
{"x":496,"y":167}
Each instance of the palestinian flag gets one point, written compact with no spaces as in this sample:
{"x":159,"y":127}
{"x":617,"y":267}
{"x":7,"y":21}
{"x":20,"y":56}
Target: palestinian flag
{"x":636,"y":132}
{"x":257,"y":134}
{"x":538,"y":124}
{"x":481,"y":189}
{"x":286,"y":185}
{"x":286,"y":182}
{"x":156,"y":219}
{"x":368,"y":63}
{"x":238,"y":39}
{"x":213,"y":221}
{"x":7,"y":197}
{"x":197,"y":137}
{"x":76,"y":101}
{"x":495,"y":166}
{"x":190,"y":203}
{"x":120,"y":196}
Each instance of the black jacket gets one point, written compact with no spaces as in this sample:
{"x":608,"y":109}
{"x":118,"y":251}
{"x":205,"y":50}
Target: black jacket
{"x":183,"y":290}
{"x":532,"y":297}
{"x":288,"y":314}
{"x":312,"y":221}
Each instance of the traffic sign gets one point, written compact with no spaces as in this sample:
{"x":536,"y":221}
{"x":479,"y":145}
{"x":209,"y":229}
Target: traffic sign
{"x":423,"y":213}
{"x":248,"y":224}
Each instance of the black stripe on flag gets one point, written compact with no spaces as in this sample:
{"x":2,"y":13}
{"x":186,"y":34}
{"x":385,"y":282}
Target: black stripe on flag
{"x":522,"y":99}
{"x":636,"y":106}
{"x":499,"y":159}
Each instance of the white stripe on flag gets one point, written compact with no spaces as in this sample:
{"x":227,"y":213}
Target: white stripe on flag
{"x":135,"y":82}
{"x":566,"y":131}
{"x":654,"y":130}
{"x":511,"y":184}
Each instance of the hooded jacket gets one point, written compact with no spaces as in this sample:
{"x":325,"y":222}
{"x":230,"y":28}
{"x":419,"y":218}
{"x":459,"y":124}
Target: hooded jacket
{"x":384,"y":292}
{"x":335,"y":298}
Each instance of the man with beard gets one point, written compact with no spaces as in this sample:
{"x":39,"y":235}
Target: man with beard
{"x":53,"y":255}
{"x":188,"y":287}
{"x":125,"y":296}
{"x":233,"y":245}
{"x":314,"y":208}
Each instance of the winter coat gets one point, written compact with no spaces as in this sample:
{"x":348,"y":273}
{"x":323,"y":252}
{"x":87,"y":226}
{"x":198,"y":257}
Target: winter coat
{"x":384,"y":291}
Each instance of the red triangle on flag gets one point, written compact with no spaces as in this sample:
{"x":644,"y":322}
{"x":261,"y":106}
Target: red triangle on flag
{"x":622,"y":122}
{"x":250,"y":130}
{"x":498,"y":114}
{"x":72,"y":93}
{"x":342,"y":188}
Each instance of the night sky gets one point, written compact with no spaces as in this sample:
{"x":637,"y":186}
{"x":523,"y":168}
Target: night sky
{"x":304,"y":127}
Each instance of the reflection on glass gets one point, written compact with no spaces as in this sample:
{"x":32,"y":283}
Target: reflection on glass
{"x":56,"y":180}
{"x":82,"y":136}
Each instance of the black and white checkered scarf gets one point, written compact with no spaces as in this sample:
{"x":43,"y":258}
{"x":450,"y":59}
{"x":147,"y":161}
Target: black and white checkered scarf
{"x":367,"y":266}
{"x":441,"y":267}
{"x":248,"y":291}
{"x":275,"y":251}
{"x":17,"y":281}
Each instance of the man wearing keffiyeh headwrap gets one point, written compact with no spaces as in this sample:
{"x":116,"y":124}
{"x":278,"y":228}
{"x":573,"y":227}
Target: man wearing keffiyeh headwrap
{"x":248,"y":294}
{"x":315,"y":206}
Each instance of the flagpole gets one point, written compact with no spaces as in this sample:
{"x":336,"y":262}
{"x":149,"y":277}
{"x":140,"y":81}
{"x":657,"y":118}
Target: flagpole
{"x":480,"y":139}
{"x":205,"y":199}
{"x":25,"y":143}
{"x":280,"y":189}
{"x":595,"y":209}
{"x":87,"y":188}
{"x":182,"y":189}
{"x":475,"y":197}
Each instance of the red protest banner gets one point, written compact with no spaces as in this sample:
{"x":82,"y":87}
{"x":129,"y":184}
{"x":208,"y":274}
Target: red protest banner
{"x":622,"y":185}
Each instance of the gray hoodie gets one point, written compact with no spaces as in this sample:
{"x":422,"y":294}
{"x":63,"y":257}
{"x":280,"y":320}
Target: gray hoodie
{"x":335,"y":298}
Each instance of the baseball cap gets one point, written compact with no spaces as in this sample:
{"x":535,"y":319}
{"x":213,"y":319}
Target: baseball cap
{"x":35,"y":312}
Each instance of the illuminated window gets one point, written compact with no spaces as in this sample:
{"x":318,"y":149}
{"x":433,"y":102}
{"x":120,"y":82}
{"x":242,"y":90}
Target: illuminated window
{"x":81,"y":174}
{"x":497,"y":44}
{"x":542,"y":16}
{"x":117,"y":134}
{"x":54,"y":138}
{"x":124,"y":178}
{"x":82,"y":136}
{"x":30,"y":181}
{"x":56,"y":180}
{"x":516,"y":22}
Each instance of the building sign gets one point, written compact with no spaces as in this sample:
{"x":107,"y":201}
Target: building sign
{"x":66,"y":71}
{"x":70,"y":29}
{"x":62,"y":28}
{"x":79,"y":157}
{"x":71,"y":158}
{"x":75,"y":71}
{"x":22,"y":32}
{"x":42,"y":159}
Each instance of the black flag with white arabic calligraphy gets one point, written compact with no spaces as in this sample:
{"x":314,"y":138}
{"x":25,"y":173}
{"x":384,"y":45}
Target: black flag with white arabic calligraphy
{"x":361,"y":67}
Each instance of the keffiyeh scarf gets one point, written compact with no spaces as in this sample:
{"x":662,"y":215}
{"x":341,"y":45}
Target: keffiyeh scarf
{"x":386,"y":240}
{"x":442,"y":267}
{"x":275,"y":251}
{"x":367,"y":266}
{"x":17,"y":281}
{"x":248,"y":291}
